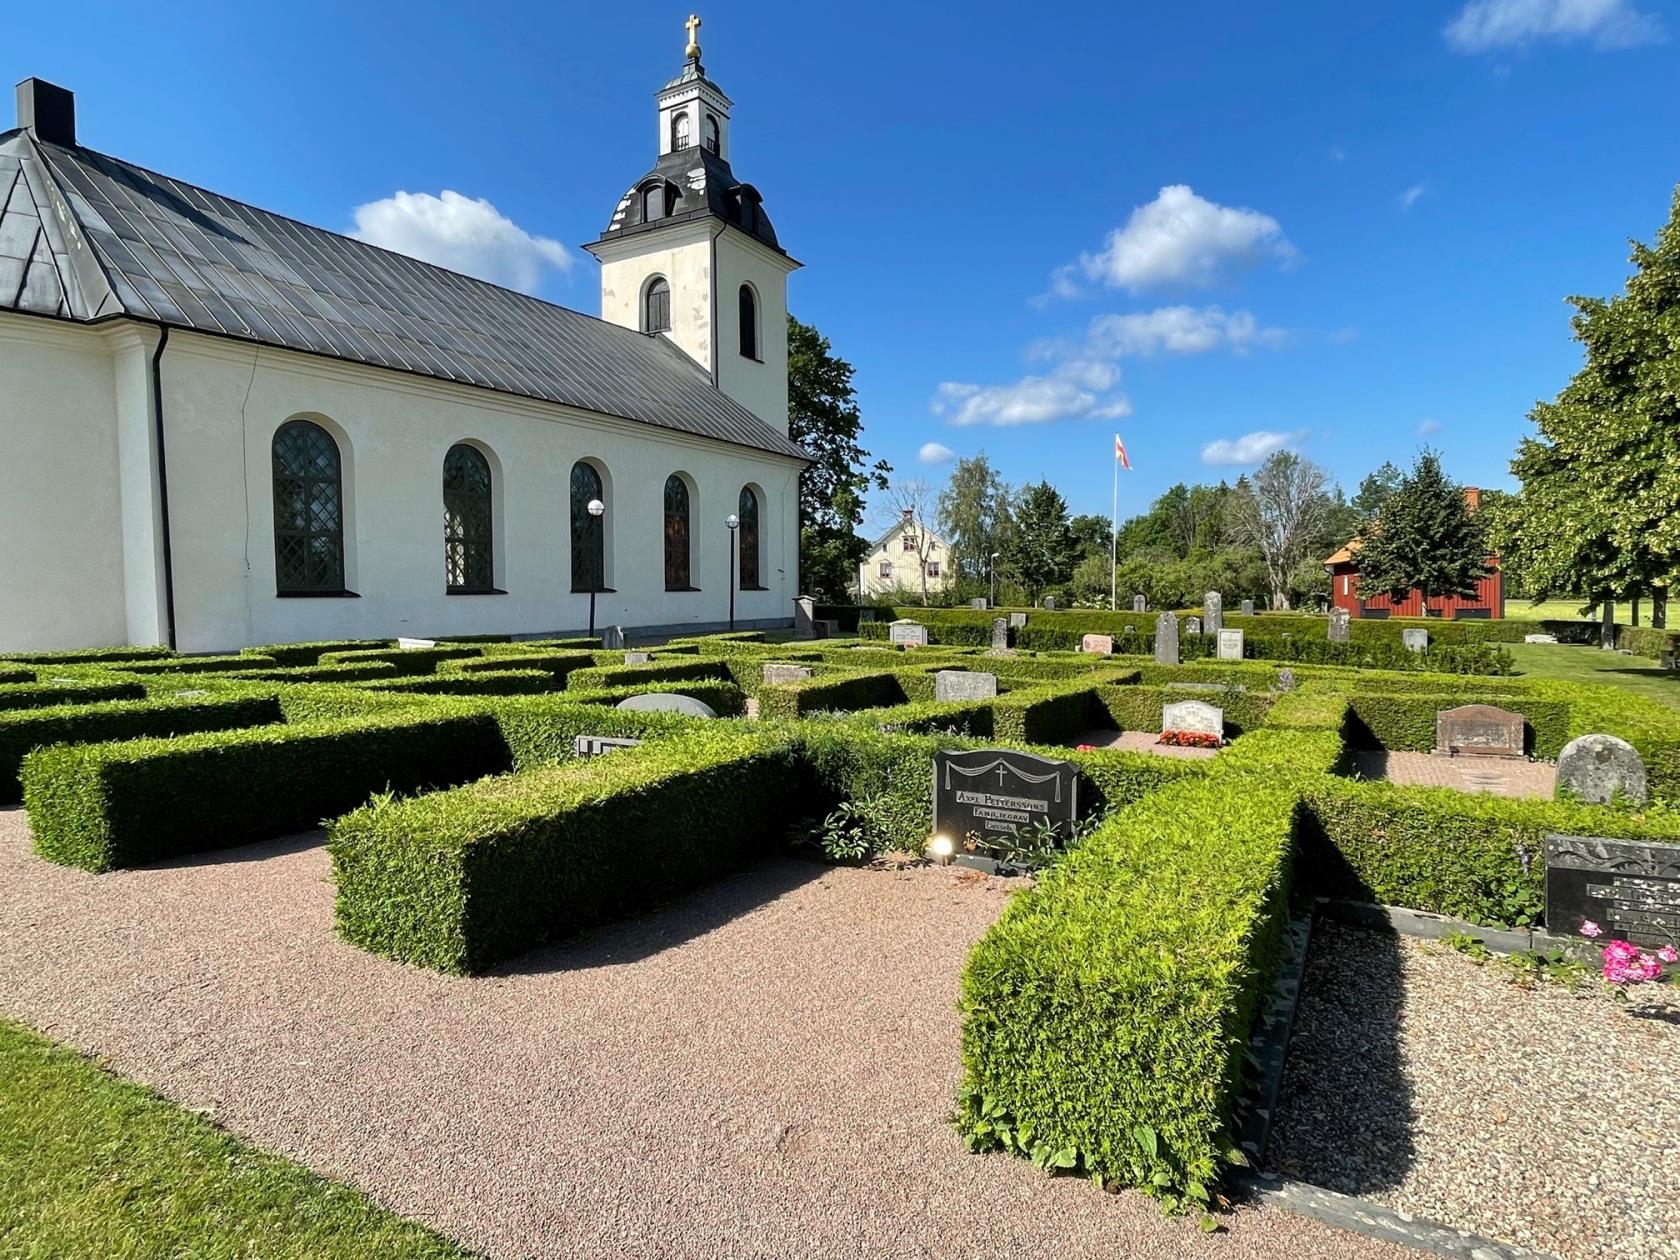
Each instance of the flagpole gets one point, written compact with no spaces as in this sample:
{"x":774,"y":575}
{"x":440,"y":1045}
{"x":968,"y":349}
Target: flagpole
{"x":1114,"y":534}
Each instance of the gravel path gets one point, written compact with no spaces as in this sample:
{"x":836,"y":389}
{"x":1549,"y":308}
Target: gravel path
{"x":764,"y":1069}
{"x":1434,"y":1086}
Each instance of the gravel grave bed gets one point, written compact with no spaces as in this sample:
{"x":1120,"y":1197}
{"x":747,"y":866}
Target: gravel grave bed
{"x":766,"y":1068}
{"x":1539,"y":1116}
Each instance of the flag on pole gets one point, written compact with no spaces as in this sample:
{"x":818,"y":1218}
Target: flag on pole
{"x":1120,"y":453}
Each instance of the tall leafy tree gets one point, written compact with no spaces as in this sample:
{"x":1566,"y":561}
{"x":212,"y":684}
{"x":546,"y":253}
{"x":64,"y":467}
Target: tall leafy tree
{"x":1374,"y":491}
{"x":1282,"y":512}
{"x":1427,"y":538}
{"x":974,"y":510}
{"x":823,"y":418}
{"x":1042,"y":551}
{"x":1090,"y":534}
{"x":1599,"y":510}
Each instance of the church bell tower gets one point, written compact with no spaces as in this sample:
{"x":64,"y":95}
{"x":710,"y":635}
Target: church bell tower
{"x":690,"y":254}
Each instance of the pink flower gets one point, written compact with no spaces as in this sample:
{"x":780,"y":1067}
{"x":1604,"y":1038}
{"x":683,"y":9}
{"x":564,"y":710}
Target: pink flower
{"x":1621,"y":951}
{"x":1589,"y":928}
{"x":1669,"y":954}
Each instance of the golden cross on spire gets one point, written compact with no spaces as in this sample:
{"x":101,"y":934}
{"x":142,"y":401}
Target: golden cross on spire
{"x":692,"y":52}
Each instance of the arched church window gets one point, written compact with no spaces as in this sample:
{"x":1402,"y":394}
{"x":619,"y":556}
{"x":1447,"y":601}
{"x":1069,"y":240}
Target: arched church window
{"x":676,"y":534}
{"x":679,"y":130}
{"x":468,"y":532}
{"x":308,"y":511}
{"x":656,"y":306}
{"x":714,"y":134}
{"x":589,"y":536}
{"x":748,"y":304}
{"x":746,"y":539}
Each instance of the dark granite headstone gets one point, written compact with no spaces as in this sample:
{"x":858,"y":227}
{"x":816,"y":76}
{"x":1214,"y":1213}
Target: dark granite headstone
{"x":1000,"y":792}
{"x":600,"y":745}
{"x":1479,"y":730}
{"x":1631,"y":889}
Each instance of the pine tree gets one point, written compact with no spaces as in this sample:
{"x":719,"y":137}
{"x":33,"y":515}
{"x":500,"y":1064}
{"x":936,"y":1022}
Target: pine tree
{"x":1042,"y":550}
{"x":1427,"y":538}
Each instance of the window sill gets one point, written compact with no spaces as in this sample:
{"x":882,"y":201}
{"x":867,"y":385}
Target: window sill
{"x":316,"y":595}
{"x":682,"y":590}
{"x":487,"y":591}
{"x":599,"y":590}
{"x":751,"y":358}
{"x":755,"y":588}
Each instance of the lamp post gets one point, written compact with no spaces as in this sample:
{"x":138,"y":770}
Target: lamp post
{"x":734,"y":523}
{"x":993,"y":567}
{"x":597,"y":509}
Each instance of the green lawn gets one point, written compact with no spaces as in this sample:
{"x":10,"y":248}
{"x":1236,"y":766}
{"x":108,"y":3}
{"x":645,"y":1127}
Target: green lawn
{"x":1576,"y":663}
{"x":92,"y":1165}
{"x":1566,"y":609}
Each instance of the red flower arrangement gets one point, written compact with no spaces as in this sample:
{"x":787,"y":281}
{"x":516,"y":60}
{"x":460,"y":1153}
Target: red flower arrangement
{"x":1190,"y":739}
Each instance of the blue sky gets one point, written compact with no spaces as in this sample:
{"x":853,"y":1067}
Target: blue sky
{"x":1348,"y":228}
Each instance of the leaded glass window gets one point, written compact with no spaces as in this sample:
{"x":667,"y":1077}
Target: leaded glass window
{"x":747,"y":538}
{"x":656,"y":314}
{"x":589,"y":550}
{"x":468,"y":535}
{"x":308,"y":511}
{"x":676,"y":534}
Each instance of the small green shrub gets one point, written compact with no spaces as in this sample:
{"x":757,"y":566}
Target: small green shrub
{"x":405,"y":660}
{"x":560,"y":664}
{"x":600,"y":677}
{"x":831,"y":692}
{"x":506,"y":682}
{"x":724,"y":698}
{"x":322,"y":673}
{"x":291,"y":655}
{"x":199,"y":664}
{"x":89,"y":656}
{"x":41,"y":695}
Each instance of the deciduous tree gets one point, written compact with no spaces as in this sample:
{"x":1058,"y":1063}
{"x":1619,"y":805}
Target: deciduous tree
{"x":1281,"y":511}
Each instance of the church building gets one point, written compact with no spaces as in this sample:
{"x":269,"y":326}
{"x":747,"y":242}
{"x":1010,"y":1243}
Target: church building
{"x":223,"y":427}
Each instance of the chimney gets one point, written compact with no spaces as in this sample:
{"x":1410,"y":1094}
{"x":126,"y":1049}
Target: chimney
{"x":908,"y":513}
{"x":48,"y":110}
{"x":1472,"y":498}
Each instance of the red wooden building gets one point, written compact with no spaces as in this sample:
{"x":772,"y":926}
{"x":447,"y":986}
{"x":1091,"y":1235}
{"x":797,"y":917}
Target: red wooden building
{"x":1343,"y":567}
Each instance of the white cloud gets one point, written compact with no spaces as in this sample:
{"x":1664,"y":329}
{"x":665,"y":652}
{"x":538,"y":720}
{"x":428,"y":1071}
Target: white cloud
{"x":1484,"y":25}
{"x":1249,"y":449}
{"x":935,"y":453}
{"x":1408,"y":199}
{"x":1079,"y":389}
{"x":1181,"y":240}
{"x":462,"y":234}
{"x":1178,"y":330}
{"x":1429,"y":428}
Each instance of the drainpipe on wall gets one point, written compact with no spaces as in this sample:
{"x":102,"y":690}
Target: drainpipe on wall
{"x":163,"y":489}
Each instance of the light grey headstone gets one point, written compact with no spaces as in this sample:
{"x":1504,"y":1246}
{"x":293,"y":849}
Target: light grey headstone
{"x":638,"y":658}
{"x":1340,"y":619}
{"x":1213,"y":612}
{"x":1193,"y":715}
{"x":1416,"y":639}
{"x":777,"y":673}
{"x":1192,"y":625}
{"x":1166,"y":639}
{"x":1139,"y":604}
{"x":959,"y":684}
{"x":1540,"y":638}
{"x":600,"y":745}
{"x":1102,"y":644}
{"x":1248,"y":608}
{"x":1050,"y":603}
{"x":1000,"y":633}
{"x":804,"y":617}
{"x":1017,"y":620}
{"x":1599,"y":768}
{"x":1230,"y":645}
{"x":979,"y":603}
{"x":612,"y":638}
{"x":409,"y":645}
{"x":667,"y":702}
{"x":909,"y":633}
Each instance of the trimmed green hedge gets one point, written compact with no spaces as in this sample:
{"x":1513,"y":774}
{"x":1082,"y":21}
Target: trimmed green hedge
{"x":598,"y":677}
{"x":559,"y":664}
{"x":521,"y":646}
{"x":831,"y":692}
{"x":89,"y":656}
{"x":505,"y":682}
{"x":23,"y":730}
{"x":291,"y":655}
{"x":1139,"y":708}
{"x":15,"y":674}
{"x":1046,"y":715}
{"x":460,"y":880}
{"x":102,"y":806}
{"x":50,"y":694}
{"x":1408,"y":722}
{"x":200,"y":664}
{"x":323,"y":673}
{"x":405,"y":660}
{"x":1106,"y":1014}
{"x":725,"y":698}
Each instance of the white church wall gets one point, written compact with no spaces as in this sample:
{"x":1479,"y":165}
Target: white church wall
{"x":683,"y":256}
{"x":395,"y":432}
{"x":60,"y":517}
{"x":761,"y":384}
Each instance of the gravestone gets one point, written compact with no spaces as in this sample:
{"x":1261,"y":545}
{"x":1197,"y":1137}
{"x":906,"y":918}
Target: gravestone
{"x":1213,"y":612}
{"x":1540,"y":638}
{"x":1630,"y":888}
{"x":1017,"y":620}
{"x":1196,"y":716}
{"x":825,"y":628}
{"x":1607,"y":626}
{"x":1598,"y":769}
{"x":908,"y":633}
{"x":638,"y":658}
{"x":410,"y":645}
{"x":979,"y":603}
{"x":996,"y":792}
{"x":1050,"y":603}
{"x":1166,"y":639}
{"x":1248,"y":608}
{"x":1286,"y":679}
{"x":1000,"y":633}
{"x":1339,"y":619}
{"x":1416,"y":639}
{"x":1102,"y":644}
{"x":777,"y":673}
{"x":1192,"y":625}
{"x":960,"y":684}
{"x":1478,"y":730}
{"x":612,"y":638}
{"x":1230,"y":645}
{"x":600,"y":745}
{"x":667,"y":702}
{"x":1139,"y":604}
{"x":804,"y":617}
